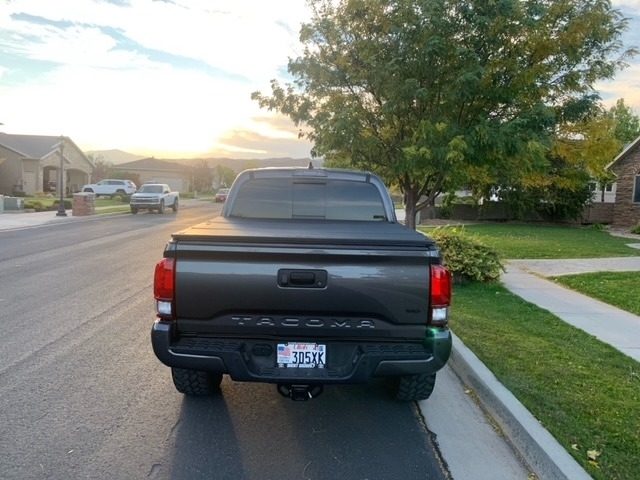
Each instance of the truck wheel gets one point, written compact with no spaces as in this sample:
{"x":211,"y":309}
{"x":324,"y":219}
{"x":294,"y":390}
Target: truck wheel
{"x":410,"y":388}
{"x":194,"y":382}
{"x":134,"y":209}
{"x":161,"y":207}
{"x":174,"y":207}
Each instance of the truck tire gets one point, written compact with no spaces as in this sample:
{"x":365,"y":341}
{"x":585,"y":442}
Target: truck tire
{"x":134,"y":209}
{"x":411,"y":388}
{"x":161,"y":207}
{"x":174,"y":207}
{"x":194,"y":382}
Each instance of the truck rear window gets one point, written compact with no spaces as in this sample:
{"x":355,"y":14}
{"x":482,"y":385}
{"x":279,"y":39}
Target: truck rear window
{"x":309,"y":198}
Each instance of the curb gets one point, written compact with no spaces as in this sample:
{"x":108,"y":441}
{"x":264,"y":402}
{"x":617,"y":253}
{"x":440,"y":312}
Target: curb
{"x":539,"y":449}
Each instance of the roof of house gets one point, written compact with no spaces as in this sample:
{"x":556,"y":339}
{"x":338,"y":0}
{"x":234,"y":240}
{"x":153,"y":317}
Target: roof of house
{"x":152,"y":164}
{"x":35,"y":146}
{"x":628,"y":149}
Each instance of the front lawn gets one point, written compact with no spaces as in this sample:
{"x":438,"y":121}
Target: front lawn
{"x":613,"y":288}
{"x":583,"y":391}
{"x":530,"y":241}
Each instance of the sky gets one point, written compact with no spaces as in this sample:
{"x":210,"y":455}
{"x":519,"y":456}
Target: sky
{"x":172,"y":78}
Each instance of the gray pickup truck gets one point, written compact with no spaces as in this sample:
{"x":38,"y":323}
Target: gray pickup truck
{"x":305,"y":280}
{"x":154,"y":196}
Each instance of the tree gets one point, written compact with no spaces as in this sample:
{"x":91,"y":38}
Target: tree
{"x":427,"y":93}
{"x":102,"y":168}
{"x":201,"y":175}
{"x":627,"y":127}
{"x":224,"y":176}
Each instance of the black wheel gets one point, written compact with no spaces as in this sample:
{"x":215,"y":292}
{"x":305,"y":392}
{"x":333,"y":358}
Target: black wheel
{"x":122,"y":193}
{"x":410,"y":388}
{"x":194,"y":382}
{"x":161,"y":207}
{"x":174,"y":207}
{"x":134,"y":209}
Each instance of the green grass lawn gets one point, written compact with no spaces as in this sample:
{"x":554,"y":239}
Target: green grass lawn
{"x":583,"y":391}
{"x":615,"y":288}
{"x":116,"y":205}
{"x":517,"y":241}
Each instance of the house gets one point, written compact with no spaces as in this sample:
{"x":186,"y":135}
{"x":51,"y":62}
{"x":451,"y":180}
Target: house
{"x":162,"y":171}
{"x":626,"y":168}
{"x":31,"y":163}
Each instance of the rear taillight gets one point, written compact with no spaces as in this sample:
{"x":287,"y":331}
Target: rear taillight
{"x":440,"y":295}
{"x":163,"y":287}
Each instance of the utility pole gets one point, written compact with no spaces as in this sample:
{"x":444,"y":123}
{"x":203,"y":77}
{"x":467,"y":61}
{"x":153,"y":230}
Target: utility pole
{"x":61,"y":210}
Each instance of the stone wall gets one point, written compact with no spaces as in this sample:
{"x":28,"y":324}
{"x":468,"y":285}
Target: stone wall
{"x":84,"y":204}
{"x":625,"y":212}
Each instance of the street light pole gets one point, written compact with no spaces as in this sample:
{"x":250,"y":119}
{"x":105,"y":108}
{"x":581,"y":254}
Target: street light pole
{"x":61,"y":210}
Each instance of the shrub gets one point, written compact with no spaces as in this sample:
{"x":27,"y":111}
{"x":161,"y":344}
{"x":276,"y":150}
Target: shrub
{"x":126,"y":199}
{"x":636,"y":229}
{"x":466,"y":256}
{"x":18,"y":193}
{"x":33,"y":205}
{"x":597,"y":226}
{"x":116,"y":198}
{"x":67,"y":204}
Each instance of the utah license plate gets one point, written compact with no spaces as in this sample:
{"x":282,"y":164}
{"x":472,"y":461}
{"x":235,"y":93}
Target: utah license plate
{"x":302,"y":355}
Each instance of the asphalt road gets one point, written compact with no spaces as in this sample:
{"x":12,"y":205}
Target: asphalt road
{"x":82,"y":395}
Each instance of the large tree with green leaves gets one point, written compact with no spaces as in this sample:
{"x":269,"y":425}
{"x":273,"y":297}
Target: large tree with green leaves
{"x":435,"y":94}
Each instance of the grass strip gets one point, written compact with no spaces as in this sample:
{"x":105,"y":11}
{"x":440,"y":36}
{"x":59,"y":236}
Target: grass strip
{"x":614,"y":288}
{"x":518,"y":241}
{"x":583,"y":391}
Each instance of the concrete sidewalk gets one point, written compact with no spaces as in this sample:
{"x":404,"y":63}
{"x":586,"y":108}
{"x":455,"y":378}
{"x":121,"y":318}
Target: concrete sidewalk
{"x":21,"y":220}
{"x":609,"y":324}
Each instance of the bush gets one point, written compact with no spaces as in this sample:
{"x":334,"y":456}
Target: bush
{"x":636,"y":229}
{"x":67,"y":204}
{"x":18,"y":193}
{"x":33,"y":205}
{"x":467,"y":257}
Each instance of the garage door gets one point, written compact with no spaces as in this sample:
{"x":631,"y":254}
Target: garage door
{"x":174,"y":183}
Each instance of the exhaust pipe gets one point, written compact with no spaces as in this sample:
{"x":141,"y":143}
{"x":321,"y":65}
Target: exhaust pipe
{"x":300,"y":393}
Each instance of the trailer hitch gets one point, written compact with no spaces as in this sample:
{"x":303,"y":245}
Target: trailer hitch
{"x":299,"y":393}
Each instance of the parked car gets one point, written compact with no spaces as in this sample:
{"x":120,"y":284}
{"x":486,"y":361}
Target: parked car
{"x":111,"y":187}
{"x":221,"y":195}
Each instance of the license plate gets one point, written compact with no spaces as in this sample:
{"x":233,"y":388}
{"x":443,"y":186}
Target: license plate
{"x":302,"y":355}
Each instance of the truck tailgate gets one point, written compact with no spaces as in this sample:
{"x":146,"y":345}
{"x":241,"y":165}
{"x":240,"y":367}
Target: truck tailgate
{"x":280,"y":278}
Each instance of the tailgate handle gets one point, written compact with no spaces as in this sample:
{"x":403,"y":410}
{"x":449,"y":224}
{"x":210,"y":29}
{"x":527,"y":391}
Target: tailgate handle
{"x":302,"y":278}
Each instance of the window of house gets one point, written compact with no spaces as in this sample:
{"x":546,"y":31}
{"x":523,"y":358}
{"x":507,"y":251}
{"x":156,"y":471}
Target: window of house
{"x":636,"y":190}
{"x":608,"y":188}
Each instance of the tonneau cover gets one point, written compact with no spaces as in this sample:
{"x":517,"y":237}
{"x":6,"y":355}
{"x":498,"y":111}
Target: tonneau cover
{"x":304,"y":231}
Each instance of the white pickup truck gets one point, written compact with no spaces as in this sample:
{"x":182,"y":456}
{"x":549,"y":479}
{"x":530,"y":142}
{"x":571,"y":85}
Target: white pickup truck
{"x":154,"y":196}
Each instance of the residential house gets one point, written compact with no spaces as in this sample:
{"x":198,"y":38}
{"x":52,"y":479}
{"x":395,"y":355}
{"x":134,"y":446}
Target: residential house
{"x":31,"y":163}
{"x":626,"y":168}
{"x":162,"y":171}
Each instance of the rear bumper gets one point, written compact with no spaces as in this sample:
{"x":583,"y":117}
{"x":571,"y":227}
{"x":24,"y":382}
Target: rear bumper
{"x":254,"y":359}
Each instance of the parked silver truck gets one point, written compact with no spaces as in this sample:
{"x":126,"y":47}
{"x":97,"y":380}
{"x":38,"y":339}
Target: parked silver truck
{"x":154,"y":196}
{"x":306,"y":279}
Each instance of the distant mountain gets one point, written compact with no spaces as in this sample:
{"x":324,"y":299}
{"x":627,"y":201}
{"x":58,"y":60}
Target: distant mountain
{"x":116,"y":157}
